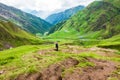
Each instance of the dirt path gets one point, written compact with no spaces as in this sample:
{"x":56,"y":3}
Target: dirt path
{"x":100,"y":51}
{"x":102,"y":70}
{"x":78,"y":50}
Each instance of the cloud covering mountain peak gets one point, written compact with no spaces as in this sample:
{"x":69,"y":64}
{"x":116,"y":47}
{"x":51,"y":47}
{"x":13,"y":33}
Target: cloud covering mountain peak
{"x":47,"y":6}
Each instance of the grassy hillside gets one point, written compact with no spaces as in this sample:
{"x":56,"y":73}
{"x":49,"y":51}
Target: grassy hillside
{"x":25,"y":21}
{"x":113,"y":43}
{"x":100,"y":20}
{"x":11,"y":35}
{"x":56,"y":27}
{"x":114,"y":2}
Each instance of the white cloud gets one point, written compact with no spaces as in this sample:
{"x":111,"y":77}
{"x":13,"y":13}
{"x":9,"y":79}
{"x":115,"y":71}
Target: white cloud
{"x":47,"y":6}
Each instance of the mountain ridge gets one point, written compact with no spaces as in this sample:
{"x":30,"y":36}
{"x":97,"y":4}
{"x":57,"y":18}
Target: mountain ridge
{"x":25,"y":20}
{"x":95,"y":21}
{"x":64,"y":15}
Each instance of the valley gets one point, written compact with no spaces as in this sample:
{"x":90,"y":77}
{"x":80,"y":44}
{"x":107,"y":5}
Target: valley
{"x":88,"y":41}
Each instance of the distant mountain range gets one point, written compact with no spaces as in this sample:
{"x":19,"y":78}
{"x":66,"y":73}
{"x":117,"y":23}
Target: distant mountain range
{"x":41,"y":14}
{"x":61,"y":16}
{"x":26,"y":21}
{"x":100,"y":20}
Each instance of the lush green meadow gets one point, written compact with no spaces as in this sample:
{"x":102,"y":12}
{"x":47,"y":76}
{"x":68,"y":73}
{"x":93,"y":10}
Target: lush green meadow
{"x":30,"y":59}
{"x":20,"y":60}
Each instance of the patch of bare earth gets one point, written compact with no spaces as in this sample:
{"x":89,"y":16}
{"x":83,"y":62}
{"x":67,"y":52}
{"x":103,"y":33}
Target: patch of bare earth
{"x":53,"y":72}
{"x":41,"y":52}
{"x":101,"y":71}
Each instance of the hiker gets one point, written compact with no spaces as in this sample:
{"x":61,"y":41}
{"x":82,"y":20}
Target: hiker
{"x":56,"y":46}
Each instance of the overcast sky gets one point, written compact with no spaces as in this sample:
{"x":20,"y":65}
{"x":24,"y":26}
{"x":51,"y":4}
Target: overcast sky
{"x":45,"y":6}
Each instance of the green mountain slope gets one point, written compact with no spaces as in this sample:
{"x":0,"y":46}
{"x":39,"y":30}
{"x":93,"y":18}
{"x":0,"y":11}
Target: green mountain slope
{"x":26,"y":21}
{"x":99,"y":20}
{"x":61,"y":16}
{"x":11,"y":36}
{"x":113,"y":42}
{"x":56,"y":27}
